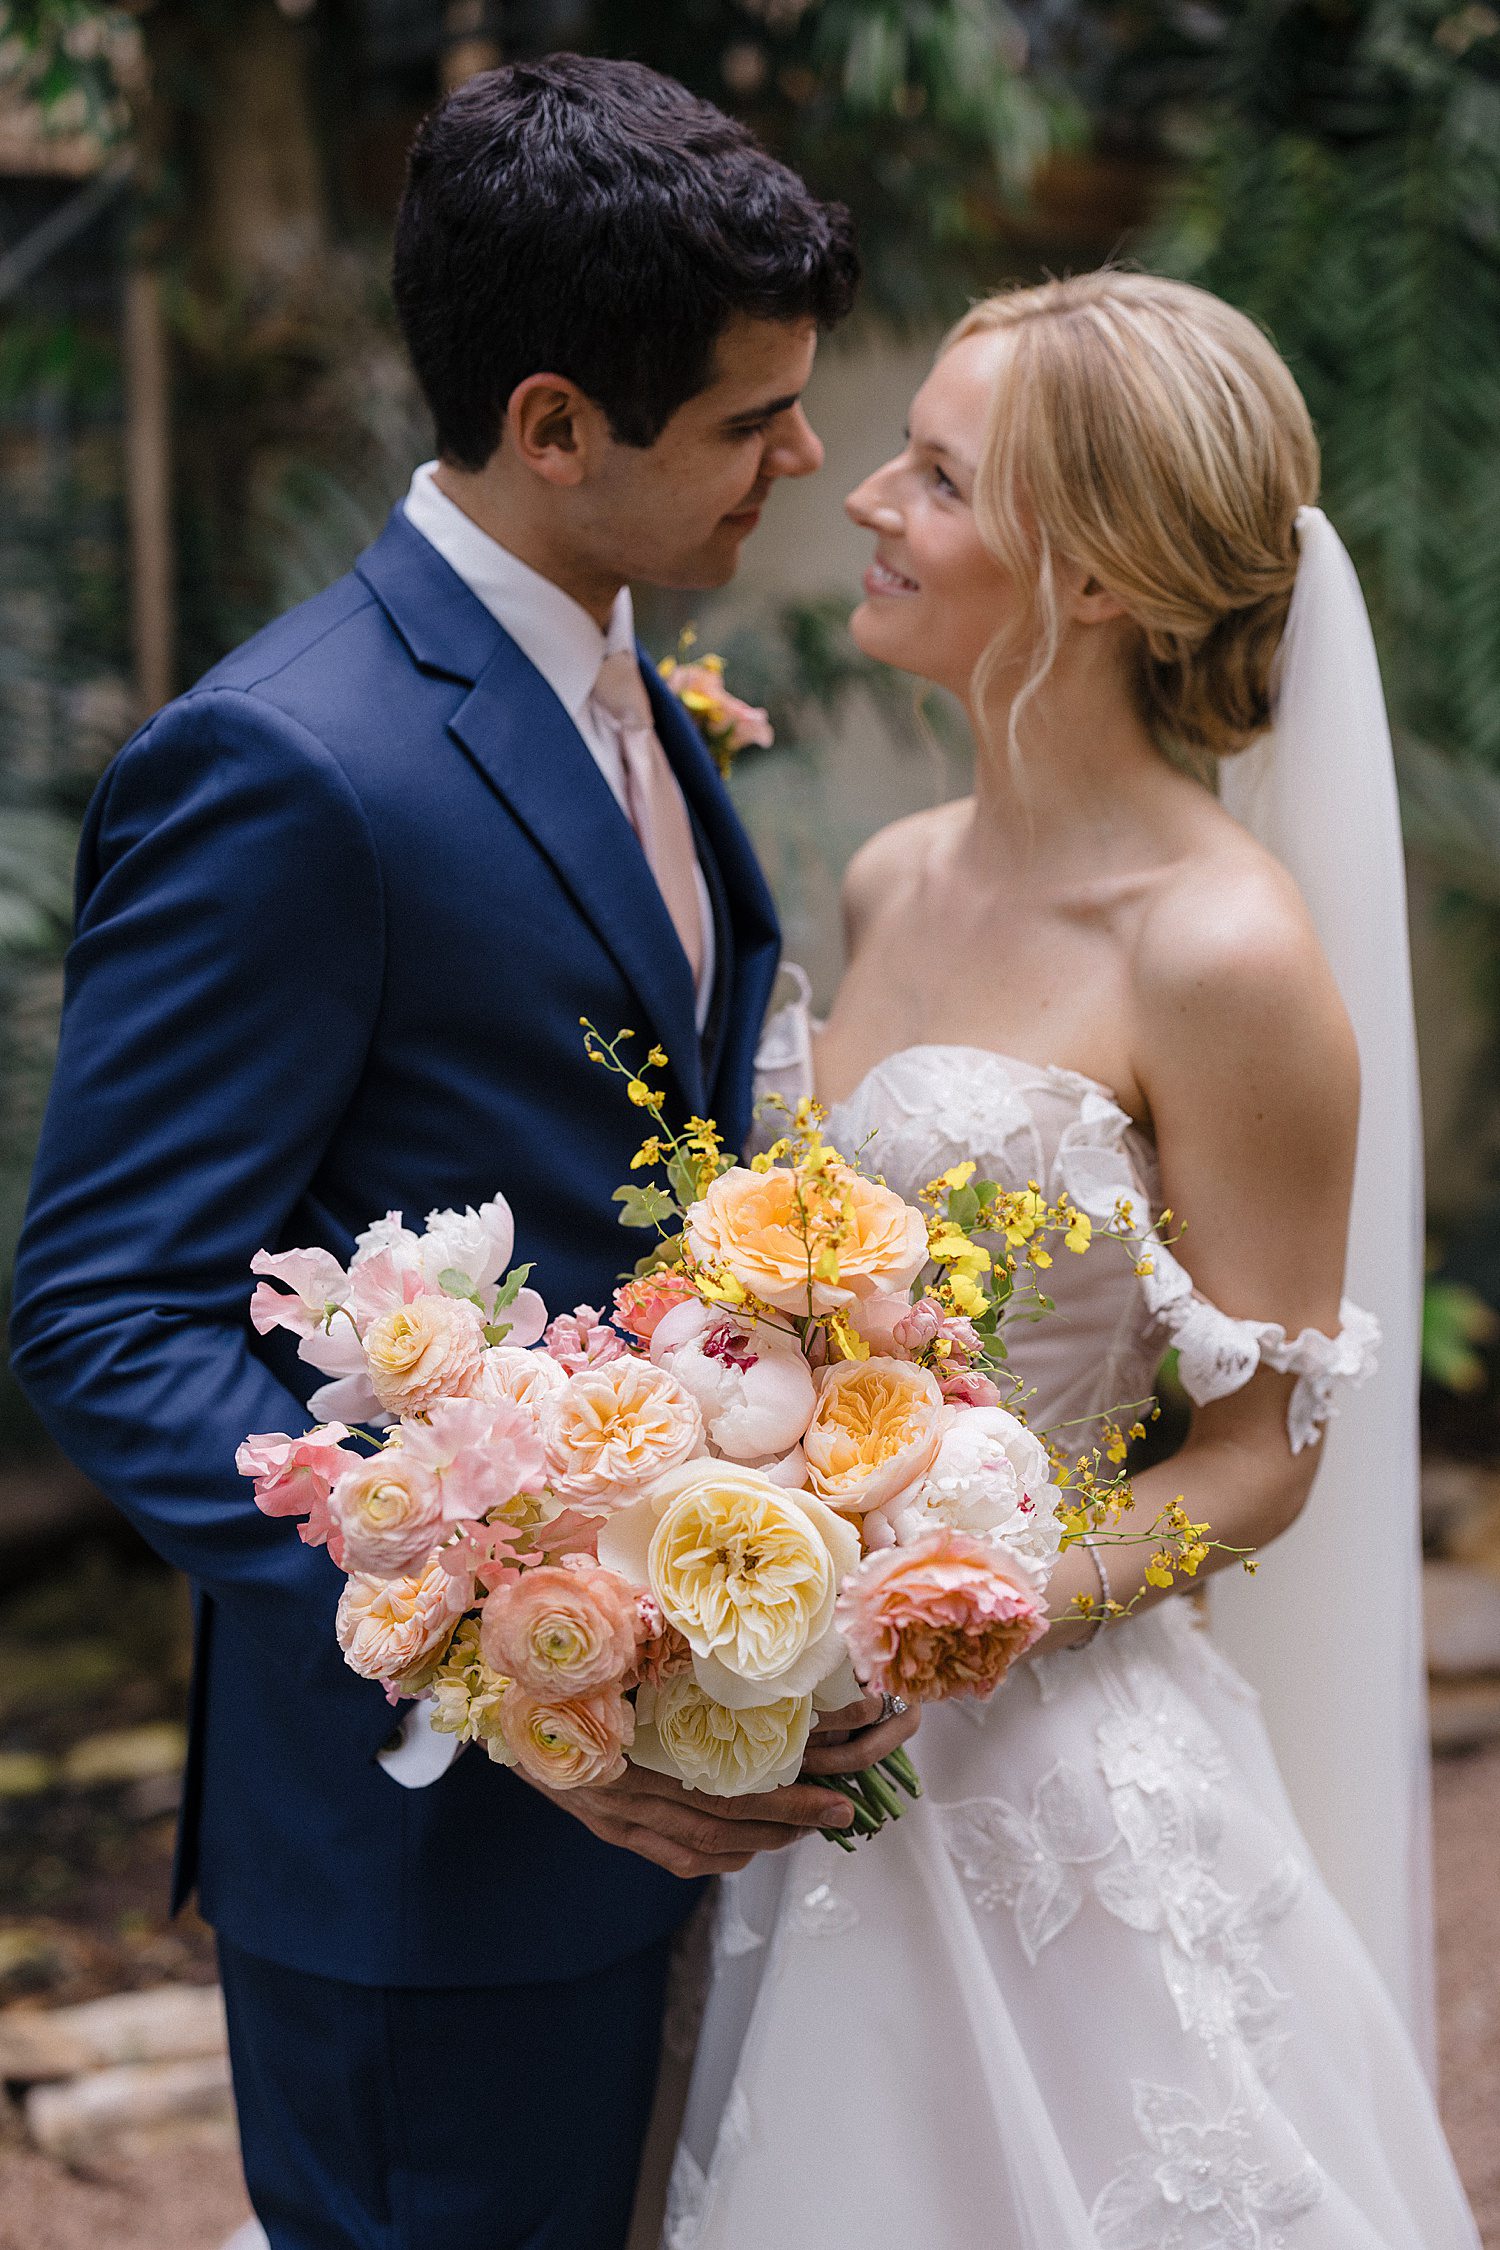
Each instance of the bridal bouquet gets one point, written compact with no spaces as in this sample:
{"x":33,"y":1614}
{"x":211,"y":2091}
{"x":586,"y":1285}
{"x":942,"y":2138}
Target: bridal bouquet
{"x":777,"y":1475}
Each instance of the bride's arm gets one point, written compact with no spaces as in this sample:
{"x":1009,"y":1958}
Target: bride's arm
{"x":1249,"y":1064}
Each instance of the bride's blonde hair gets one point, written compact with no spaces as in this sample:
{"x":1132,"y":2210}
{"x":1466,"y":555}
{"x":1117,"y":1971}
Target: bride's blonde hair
{"x":1150,"y":434}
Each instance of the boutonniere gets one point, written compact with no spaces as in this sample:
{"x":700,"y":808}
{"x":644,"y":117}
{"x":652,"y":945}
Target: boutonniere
{"x":727,"y":725}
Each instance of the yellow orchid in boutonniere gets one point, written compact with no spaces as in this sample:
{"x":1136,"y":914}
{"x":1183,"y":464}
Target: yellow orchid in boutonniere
{"x":726,"y":724}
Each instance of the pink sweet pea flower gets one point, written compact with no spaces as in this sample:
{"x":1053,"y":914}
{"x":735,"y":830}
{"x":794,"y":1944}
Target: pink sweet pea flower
{"x":485,"y":1452}
{"x":293,"y":1476}
{"x":947,"y":1615}
{"x":318,"y":1284}
{"x":582,"y":1338}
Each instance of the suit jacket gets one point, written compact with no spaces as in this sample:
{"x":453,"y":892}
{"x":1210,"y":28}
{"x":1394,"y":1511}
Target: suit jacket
{"x":340,"y":909}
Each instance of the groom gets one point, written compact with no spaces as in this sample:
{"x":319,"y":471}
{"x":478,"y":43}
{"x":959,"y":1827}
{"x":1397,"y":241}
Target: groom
{"x":340,"y":909}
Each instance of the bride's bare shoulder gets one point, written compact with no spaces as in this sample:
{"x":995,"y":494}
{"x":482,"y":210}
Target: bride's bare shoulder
{"x":1232,"y":981}
{"x":894,"y":858}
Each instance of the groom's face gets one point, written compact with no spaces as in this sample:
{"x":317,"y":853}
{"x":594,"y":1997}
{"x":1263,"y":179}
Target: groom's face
{"x":676,"y":513}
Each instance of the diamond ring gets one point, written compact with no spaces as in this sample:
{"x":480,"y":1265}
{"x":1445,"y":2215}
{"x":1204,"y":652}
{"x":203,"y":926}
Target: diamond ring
{"x":892,"y":1707}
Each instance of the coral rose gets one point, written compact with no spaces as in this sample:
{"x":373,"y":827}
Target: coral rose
{"x":561,"y":1633}
{"x":392,"y":1628}
{"x":703,"y":1744}
{"x":614,"y":1427}
{"x":429,"y":1349}
{"x":875,"y":1430}
{"x":753,"y":1386}
{"x":752,"y":1224}
{"x":945,"y":1616}
{"x":641,"y":1303}
{"x":567,"y":1745}
{"x":389,"y":1512}
{"x":746,"y":1572}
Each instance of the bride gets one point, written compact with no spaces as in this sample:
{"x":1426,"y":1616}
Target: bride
{"x":1096,"y":1992}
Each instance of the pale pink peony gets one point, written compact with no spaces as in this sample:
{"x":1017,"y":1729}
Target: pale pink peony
{"x":752,"y":1383}
{"x":511,"y":1371}
{"x":874,"y":1432}
{"x":293,"y":1476}
{"x":641,"y":1303}
{"x":583,"y":1338}
{"x":389,"y":1512}
{"x":389,"y":1628}
{"x":429,"y":1349}
{"x":567,"y":1745}
{"x":967,"y":1387}
{"x":561,"y":1632}
{"x":945,"y":1616}
{"x":615,"y":1427}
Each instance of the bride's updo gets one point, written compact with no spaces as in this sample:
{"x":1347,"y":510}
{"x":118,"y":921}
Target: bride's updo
{"x":1150,"y":433}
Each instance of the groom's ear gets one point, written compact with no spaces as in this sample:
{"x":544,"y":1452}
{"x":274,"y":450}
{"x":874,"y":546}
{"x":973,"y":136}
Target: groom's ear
{"x":554,"y":428}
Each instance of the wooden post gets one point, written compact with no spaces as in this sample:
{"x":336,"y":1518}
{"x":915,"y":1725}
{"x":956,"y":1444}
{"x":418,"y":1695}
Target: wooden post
{"x":467,"y":46}
{"x":148,"y":487}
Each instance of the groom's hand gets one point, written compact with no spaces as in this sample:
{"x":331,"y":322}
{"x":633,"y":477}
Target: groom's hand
{"x":849,"y":1740}
{"x":689,"y":1834}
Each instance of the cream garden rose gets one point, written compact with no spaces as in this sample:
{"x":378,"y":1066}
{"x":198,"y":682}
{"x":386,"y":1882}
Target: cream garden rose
{"x":753,"y":1224}
{"x":612,"y":1428}
{"x":747,"y":1572}
{"x":705,"y":1745}
{"x":429,"y":1349}
{"x":875,"y":1431}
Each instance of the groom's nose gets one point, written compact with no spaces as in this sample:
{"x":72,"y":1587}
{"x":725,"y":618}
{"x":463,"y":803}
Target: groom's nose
{"x":797,"y":449}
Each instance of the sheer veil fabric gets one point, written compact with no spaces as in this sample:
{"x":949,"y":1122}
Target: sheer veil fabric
{"x":1330,"y":1629}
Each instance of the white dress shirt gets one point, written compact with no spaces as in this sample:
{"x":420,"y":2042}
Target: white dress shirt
{"x":556,"y":634}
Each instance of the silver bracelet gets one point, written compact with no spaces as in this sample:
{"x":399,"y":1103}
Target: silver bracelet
{"x":1097,"y":1559}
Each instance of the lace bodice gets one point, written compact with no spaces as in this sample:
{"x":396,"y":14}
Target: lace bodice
{"x":1119,"y":1308}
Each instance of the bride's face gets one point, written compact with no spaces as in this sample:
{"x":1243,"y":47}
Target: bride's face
{"x":934,"y":595}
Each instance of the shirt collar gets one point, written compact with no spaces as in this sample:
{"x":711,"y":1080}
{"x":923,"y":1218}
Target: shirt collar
{"x":555,"y":632}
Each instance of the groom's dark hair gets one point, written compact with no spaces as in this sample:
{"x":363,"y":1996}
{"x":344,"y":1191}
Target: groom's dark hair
{"x":593,"y":219}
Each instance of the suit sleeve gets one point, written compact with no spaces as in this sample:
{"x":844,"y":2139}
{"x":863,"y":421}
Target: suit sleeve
{"x":220,"y":997}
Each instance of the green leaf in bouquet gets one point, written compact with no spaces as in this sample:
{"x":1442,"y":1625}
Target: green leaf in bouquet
{"x":511,"y":1287}
{"x":453,"y":1283}
{"x":644,"y":1206}
{"x":964,"y":1206}
{"x":496,"y":1331}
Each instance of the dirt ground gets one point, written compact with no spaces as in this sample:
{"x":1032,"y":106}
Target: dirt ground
{"x":190,"y":2197}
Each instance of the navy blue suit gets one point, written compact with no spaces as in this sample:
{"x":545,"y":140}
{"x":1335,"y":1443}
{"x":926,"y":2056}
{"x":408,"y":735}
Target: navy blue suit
{"x":340,"y":909}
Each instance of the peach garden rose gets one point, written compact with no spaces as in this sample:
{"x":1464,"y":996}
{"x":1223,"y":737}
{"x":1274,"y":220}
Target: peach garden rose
{"x":389,"y":1510}
{"x":391,"y":1628}
{"x":875,"y":1431}
{"x":612,"y":1428}
{"x":753,"y":1224}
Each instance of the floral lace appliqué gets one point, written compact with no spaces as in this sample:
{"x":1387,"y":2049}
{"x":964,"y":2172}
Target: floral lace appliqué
{"x":1199,"y":2188}
{"x":1032,"y":1863}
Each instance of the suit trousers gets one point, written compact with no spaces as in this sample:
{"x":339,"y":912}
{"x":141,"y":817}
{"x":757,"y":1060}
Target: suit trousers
{"x":501,"y":2117}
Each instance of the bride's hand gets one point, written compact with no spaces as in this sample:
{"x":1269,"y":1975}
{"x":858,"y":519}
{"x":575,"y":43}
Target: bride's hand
{"x":689,"y":1834}
{"x":849,"y":1740}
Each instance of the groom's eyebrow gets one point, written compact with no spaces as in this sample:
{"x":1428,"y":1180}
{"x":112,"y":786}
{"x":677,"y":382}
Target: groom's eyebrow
{"x":766,"y":413}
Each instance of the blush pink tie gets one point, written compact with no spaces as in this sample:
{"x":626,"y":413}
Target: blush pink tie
{"x":652,"y":798}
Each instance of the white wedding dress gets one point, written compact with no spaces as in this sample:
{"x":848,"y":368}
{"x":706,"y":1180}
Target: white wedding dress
{"x":1092,"y":1992}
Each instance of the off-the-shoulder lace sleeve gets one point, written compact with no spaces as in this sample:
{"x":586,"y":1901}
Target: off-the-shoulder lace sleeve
{"x":1216,"y":1353}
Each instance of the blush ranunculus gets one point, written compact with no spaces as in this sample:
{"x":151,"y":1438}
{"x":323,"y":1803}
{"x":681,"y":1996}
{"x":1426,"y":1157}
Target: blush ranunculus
{"x":751,"y":1224}
{"x":875,"y":1430}
{"x":947,"y":1615}
{"x":389,"y":1512}
{"x":746,"y":1572}
{"x":293,"y":1476}
{"x":641,"y":1303}
{"x":582,"y":1338}
{"x":393,"y":1628}
{"x":705,"y":1745}
{"x":561,"y":1633}
{"x":567,"y":1745}
{"x":613,"y":1428}
{"x":429,"y":1349}
{"x":753,"y":1385}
